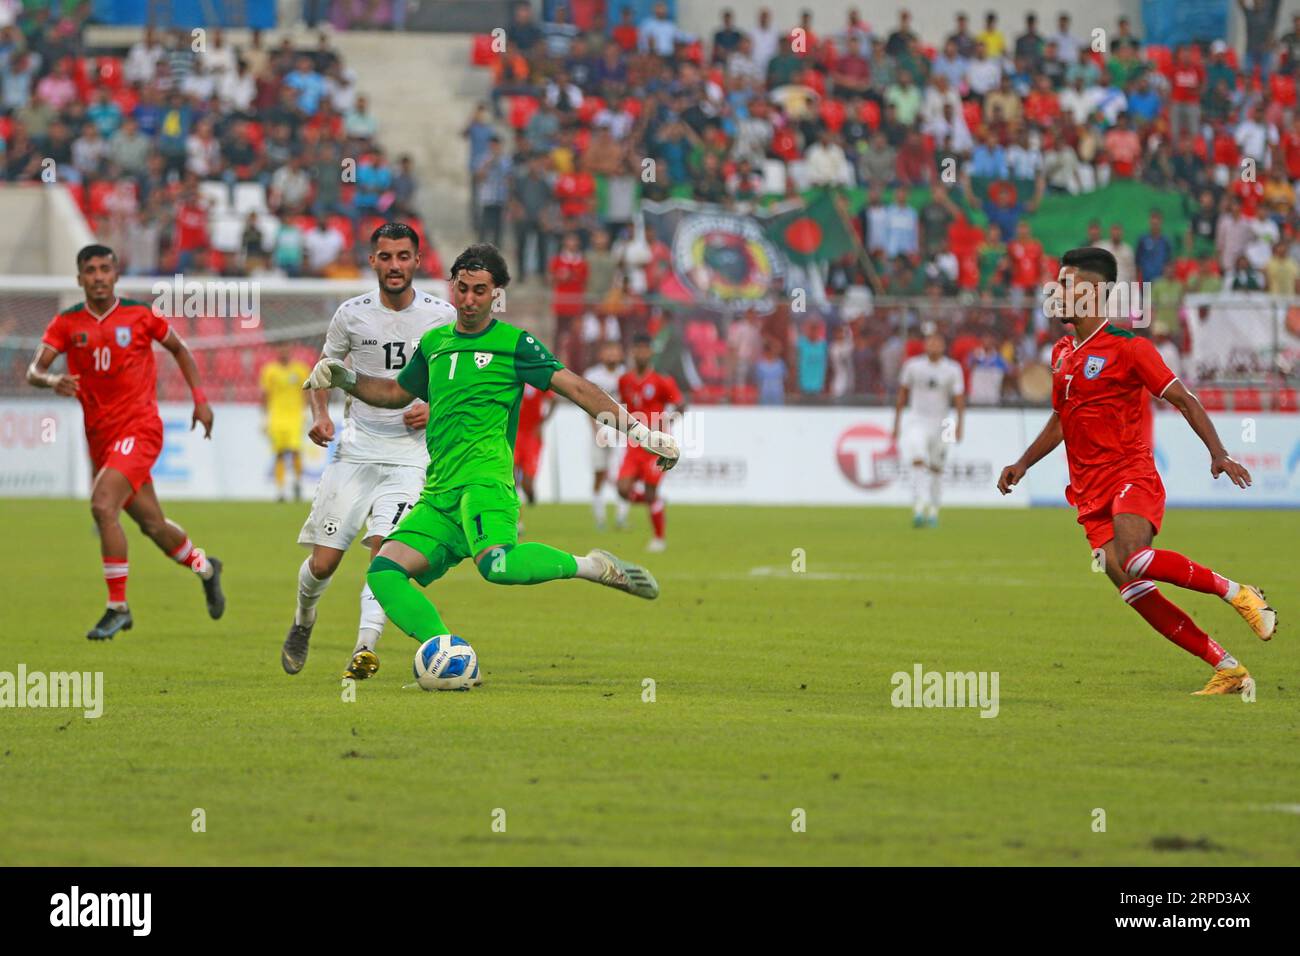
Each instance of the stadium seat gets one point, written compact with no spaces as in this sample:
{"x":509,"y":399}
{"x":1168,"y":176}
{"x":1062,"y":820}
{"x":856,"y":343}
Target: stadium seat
{"x":97,"y":194}
{"x":1247,"y":400}
{"x":744,"y":395}
{"x":217,"y":195}
{"x":1285,"y":401}
{"x":481,"y":52}
{"x":1212,"y":398}
{"x":1161,"y":57}
{"x":521,"y":110}
{"x":225,"y":232}
{"x":249,"y":197}
{"x":591,"y":105}
{"x":343,"y":226}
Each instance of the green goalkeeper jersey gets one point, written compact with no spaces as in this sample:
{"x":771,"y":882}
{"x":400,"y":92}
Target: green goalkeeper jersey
{"x":473,"y":384}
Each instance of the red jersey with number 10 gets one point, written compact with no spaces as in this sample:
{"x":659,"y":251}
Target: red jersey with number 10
{"x":646,"y":396}
{"x":113,"y":355}
{"x":1099,"y":389}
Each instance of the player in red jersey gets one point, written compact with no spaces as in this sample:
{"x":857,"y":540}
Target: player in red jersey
{"x":647,"y":394}
{"x":534,"y":408}
{"x":1100,"y":377}
{"x":109,"y":346}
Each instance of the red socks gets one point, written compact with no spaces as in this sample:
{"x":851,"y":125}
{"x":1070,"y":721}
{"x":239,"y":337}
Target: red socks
{"x":189,"y":556}
{"x":115,"y":577}
{"x":657,"y":517}
{"x":1173,"y":567}
{"x":1171,"y":620}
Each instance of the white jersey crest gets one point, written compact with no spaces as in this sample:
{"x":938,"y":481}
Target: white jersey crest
{"x":381,"y":343}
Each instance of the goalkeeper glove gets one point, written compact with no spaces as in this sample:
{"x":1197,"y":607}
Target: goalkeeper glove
{"x":661,"y":443}
{"x":331,"y":373}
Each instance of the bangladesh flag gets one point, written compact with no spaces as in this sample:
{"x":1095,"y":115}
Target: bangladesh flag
{"x":814,"y":230}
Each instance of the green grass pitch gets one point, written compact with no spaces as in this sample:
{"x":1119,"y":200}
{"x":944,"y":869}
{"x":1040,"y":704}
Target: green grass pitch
{"x":772,"y":693}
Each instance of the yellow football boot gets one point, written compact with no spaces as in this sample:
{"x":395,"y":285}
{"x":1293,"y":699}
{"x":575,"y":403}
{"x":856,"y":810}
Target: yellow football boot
{"x":1228,"y":680}
{"x":364,"y":664}
{"x":1250,"y":604}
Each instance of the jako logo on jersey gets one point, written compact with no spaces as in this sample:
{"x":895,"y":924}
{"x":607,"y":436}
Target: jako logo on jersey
{"x":370,"y":341}
{"x":123,"y":334}
{"x":1092,"y":368}
{"x":482,"y":358}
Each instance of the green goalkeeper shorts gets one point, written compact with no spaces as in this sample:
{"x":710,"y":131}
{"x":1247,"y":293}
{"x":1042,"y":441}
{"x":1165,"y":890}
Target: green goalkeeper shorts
{"x":454,"y":525}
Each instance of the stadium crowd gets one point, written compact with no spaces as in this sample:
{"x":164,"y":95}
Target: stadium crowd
{"x":587,"y":119}
{"x":211,"y":161}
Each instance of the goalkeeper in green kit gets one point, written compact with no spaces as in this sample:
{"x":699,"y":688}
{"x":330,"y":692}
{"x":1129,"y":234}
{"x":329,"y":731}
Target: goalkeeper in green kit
{"x":472,"y":375}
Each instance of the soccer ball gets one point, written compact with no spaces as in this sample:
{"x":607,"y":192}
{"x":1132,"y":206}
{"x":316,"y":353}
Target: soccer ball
{"x":445,"y":662}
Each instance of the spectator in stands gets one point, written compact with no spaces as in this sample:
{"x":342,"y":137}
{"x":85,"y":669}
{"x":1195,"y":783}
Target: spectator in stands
{"x":744,"y":344}
{"x":1261,"y":21}
{"x":322,"y":245}
{"x":1154,"y":251}
{"x":1232,"y":234}
{"x":657,"y":33}
{"x":89,"y":151}
{"x":190,"y":229}
{"x":290,"y":187}
{"x":1123,"y":149}
{"x":252,"y":245}
{"x":142,"y":59}
{"x":1244,"y":277}
{"x":984,"y":73}
{"x":1282,"y":272}
{"x":827,"y":163}
{"x":840,"y":362}
{"x":568,"y":274}
{"x":523,"y":33}
{"x":770,"y":374}
{"x":1125,"y":260}
{"x":129,"y":148}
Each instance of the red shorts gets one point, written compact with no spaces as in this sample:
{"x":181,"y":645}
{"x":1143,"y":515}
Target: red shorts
{"x":1142,"y":494}
{"x":528,"y":450}
{"x":640,"y":464}
{"x":133,"y":453}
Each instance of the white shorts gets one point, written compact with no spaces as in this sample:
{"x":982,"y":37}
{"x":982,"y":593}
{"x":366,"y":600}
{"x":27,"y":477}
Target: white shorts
{"x":605,"y":451}
{"x":923,"y":441}
{"x":352,"y":494}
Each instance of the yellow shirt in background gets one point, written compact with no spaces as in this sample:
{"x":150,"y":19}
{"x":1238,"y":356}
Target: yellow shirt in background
{"x":281,"y":383}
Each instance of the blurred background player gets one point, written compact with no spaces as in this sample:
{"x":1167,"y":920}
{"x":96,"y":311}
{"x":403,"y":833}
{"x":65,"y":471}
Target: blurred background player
{"x":606,"y":372}
{"x":534,"y":408}
{"x":928,"y":386}
{"x":1100,"y":379}
{"x":281,"y":383}
{"x":379,"y":466}
{"x":648,"y":395}
{"x":109,"y":347}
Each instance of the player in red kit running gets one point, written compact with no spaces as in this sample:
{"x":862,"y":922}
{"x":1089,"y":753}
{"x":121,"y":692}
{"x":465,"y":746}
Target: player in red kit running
{"x":109,"y":347}
{"x":1100,"y":378}
{"x":647,"y":394}
{"x":534,"y":409}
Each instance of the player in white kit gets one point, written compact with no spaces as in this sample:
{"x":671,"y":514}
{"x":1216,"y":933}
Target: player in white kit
{"x":604,"y":450}
{"x":928,"y":385}
{"x":379,"y":466}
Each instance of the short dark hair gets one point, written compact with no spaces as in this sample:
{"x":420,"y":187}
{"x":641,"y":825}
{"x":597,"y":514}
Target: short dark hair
{"x":94,"y":251}
{"x":395,"y":231}
{"x":1092,"y":259}
{"x":485,"y":257}
{"x":641,"y":338}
